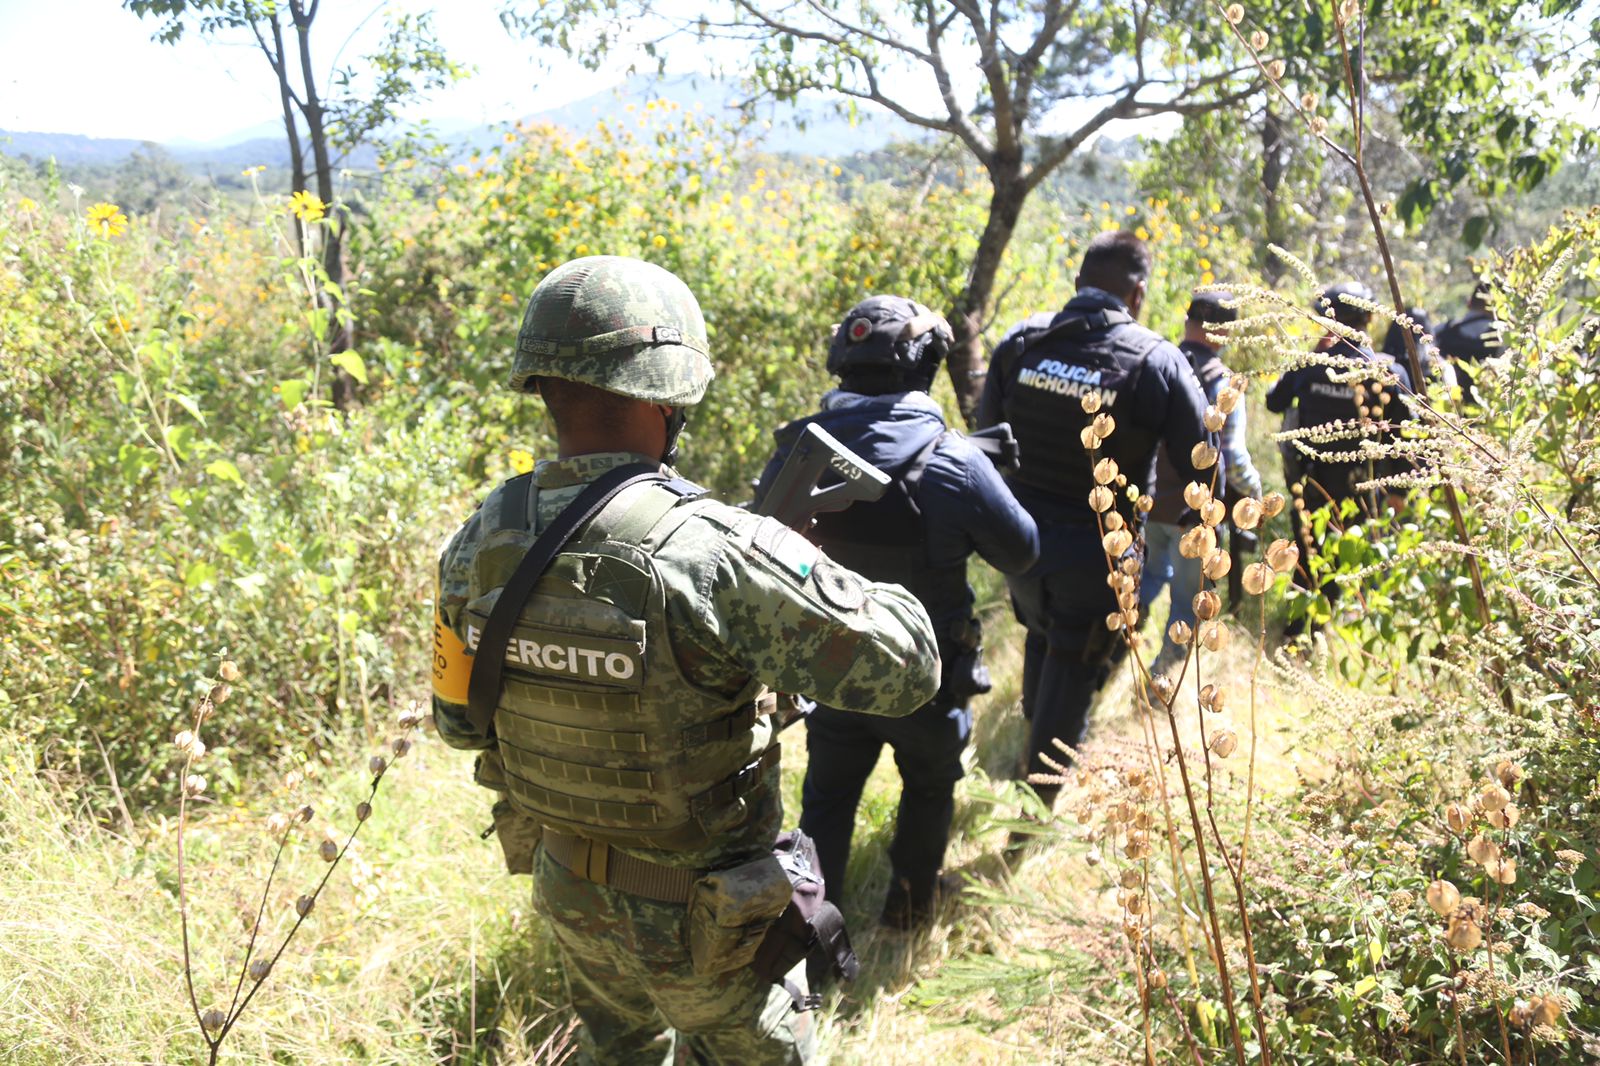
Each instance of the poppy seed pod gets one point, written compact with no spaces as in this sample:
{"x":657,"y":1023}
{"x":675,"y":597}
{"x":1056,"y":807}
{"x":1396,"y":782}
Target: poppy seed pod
{"x":1493,"y":798}
{"x":1133,"y":902}
{"x":1195,"y":494}
{"x":303,"y":905}
{"x":1282,"y":556}
{"x":259,"y":969}
{"x":1482,"y":850}
{"x":1131,"y":877}
{"x":1276,"y":69}
{"x":1444,"y":898}
{"x":1272,"y":505}
{"x":363,"y":811}
{"x":1213,"y":512}
{"x":1207,"y":605}
{"x":228,"y":671}
{"x":1505,"y":817}
{"x":1217,"y":565}
{"x":1222,"y":743}
{"x":400,"y":745}
{"x":1114,"y":521}
{"x":1257,"y":578}
{"x":1212,"y":698}
{"x":1214,"y":418}
{"x":213,"y":1020}
{"x":1463,"y":935}
{"x":1234,"y":14}
{"x":277,"y":822}
{"x":1087,"y":436}
{"x":1100,"y":498}
{"x":1258,"y":39}
{"x":329,"y":850}
{"x":1227,"y":400}
{"x":194,"y":784}
{"x":1214,"y":636}
{"x":1203,"y":456}
{"x":1116,"y":542}
{"x":1157,"y":979}
{"x":1547,"y":1010}
{"x":1163,"y":687}
{"x":1198,"y":543}
{"x":1458,"y":818}
{"x":1090,"y":402}
{"x":377,"y":764}
{"x":1104,"y":425}
{"x":1145,"y":504}
{"x":1180,"y":633}
{"x":306,"y":813}
{"x":1503,"y":870}
{"x":1114,"y":621}
{"x":1105,"y":471}
{"x":1508,"y":773}
{"x":1247,"y":513}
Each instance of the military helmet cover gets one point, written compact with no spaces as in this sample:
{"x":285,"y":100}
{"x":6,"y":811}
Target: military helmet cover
{"x":886,"y":333}
{"x":618,"y":324}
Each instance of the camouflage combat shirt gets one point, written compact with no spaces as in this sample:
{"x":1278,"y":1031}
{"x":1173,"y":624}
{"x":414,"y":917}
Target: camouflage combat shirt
{"x":791,"y":619}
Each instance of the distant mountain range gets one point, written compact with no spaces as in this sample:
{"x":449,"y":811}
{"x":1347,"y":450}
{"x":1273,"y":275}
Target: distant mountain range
{"x":808,"y":127}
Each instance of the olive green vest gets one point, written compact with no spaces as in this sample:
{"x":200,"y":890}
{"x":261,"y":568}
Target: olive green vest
{"x":601,"y":733}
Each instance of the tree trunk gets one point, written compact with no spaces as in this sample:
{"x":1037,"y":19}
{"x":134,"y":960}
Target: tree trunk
{"x":344,"y":386}
{"x":297,"y":159}
{"x":966,"y":362}
{"x":1274,"y":147}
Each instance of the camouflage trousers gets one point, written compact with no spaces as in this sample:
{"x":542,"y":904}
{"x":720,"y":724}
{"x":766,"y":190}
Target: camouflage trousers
{"x":627,"y":965}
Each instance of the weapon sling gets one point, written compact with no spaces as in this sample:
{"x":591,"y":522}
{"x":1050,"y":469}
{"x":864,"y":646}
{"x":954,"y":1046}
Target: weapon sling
{"x":489,"y":659}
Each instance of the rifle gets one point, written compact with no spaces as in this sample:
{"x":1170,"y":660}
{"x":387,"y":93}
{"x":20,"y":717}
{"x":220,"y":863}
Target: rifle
{"x":1000,"y":445}
{"x":794,"y":497}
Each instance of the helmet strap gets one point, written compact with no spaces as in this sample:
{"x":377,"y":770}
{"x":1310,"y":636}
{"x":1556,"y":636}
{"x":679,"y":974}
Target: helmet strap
{"x":676,"y":419}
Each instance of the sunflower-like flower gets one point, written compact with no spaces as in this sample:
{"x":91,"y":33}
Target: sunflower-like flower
{"x":107,"y":220}
{"x":306,"y":207}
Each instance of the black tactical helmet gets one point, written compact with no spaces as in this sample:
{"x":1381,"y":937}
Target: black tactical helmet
{"x":892,"y":340}
{"x":1214,"y":307}
{"x":1332,"y":304}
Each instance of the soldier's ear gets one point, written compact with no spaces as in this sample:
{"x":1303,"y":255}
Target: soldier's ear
{"x":1136,"y":299}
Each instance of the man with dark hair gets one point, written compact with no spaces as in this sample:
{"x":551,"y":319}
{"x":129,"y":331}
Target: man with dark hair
{"x":946,"y":502}
{"x":1164,"y":564}
{"x":1324,"y":393}
{"x":1470,"y":339}
{"x":621,"y":699}
{"x":1060,"y":379}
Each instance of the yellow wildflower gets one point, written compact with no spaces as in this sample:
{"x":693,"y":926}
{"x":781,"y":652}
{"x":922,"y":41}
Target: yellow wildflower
{"x":26,"y":204}
{"x":107,"y":220}
{"x":521,"y":461}
{"x":306,"y":207}
{"x":659,"y":241}
{"x":1130,"y":210}
{"x":1142,"y":233}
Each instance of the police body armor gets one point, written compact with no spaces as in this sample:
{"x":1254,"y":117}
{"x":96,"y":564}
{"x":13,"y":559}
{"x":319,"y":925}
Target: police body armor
{"x":1059,"y":359}
{"x":1325,"y":401}
{"x":884,"y":541}
{"x":1169,"y":486}
{"x":601,"y":734}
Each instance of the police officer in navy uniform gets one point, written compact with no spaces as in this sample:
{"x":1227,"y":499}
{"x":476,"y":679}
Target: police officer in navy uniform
{"x":1041,"y":373}
{"x":946,"y":502}
{"x":1322,"y":394}
{"x":1470,"y":339}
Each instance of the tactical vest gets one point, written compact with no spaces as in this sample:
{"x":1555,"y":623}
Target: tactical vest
{"x":1322,"y":401}
{"x":600,"y":732}
{"x":1169,"y":483}
{"x":885,"y":540}
{"x":1057,"y":360}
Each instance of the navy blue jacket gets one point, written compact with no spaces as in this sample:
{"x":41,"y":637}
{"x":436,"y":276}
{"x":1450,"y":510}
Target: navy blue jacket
{"x":1321,"y":400}
{"x":965,"y":505}
{"x":1154,"y":397}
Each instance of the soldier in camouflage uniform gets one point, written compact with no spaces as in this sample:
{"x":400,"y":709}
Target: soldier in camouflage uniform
{"x":632,"y":735}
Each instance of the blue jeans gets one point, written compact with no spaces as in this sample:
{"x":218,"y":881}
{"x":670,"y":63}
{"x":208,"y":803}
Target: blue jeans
{"x":1163,"y":566}
{"x":842,"y":749}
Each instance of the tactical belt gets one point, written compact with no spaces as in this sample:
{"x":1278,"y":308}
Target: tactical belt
{"x":604,"y":865}
{"x":595,"y":861}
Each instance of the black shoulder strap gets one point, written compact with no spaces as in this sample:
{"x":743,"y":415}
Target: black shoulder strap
{"x":489,"y":659}
{"x":911,"y":476}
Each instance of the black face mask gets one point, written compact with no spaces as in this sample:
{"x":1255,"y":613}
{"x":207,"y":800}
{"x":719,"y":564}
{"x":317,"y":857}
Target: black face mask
{"x":675,"y":423}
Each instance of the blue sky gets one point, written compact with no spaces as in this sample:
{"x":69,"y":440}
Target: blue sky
{"x":88,"y":66}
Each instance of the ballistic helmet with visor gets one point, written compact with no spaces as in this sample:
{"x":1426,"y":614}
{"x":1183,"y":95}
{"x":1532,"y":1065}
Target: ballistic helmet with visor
{"x":618,"y":324}
{"x":889,"y":336}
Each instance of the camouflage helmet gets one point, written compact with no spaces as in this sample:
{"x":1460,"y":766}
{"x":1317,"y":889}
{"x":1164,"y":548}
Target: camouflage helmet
{"x":619,"y":324}
{"x":888,"y":334}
